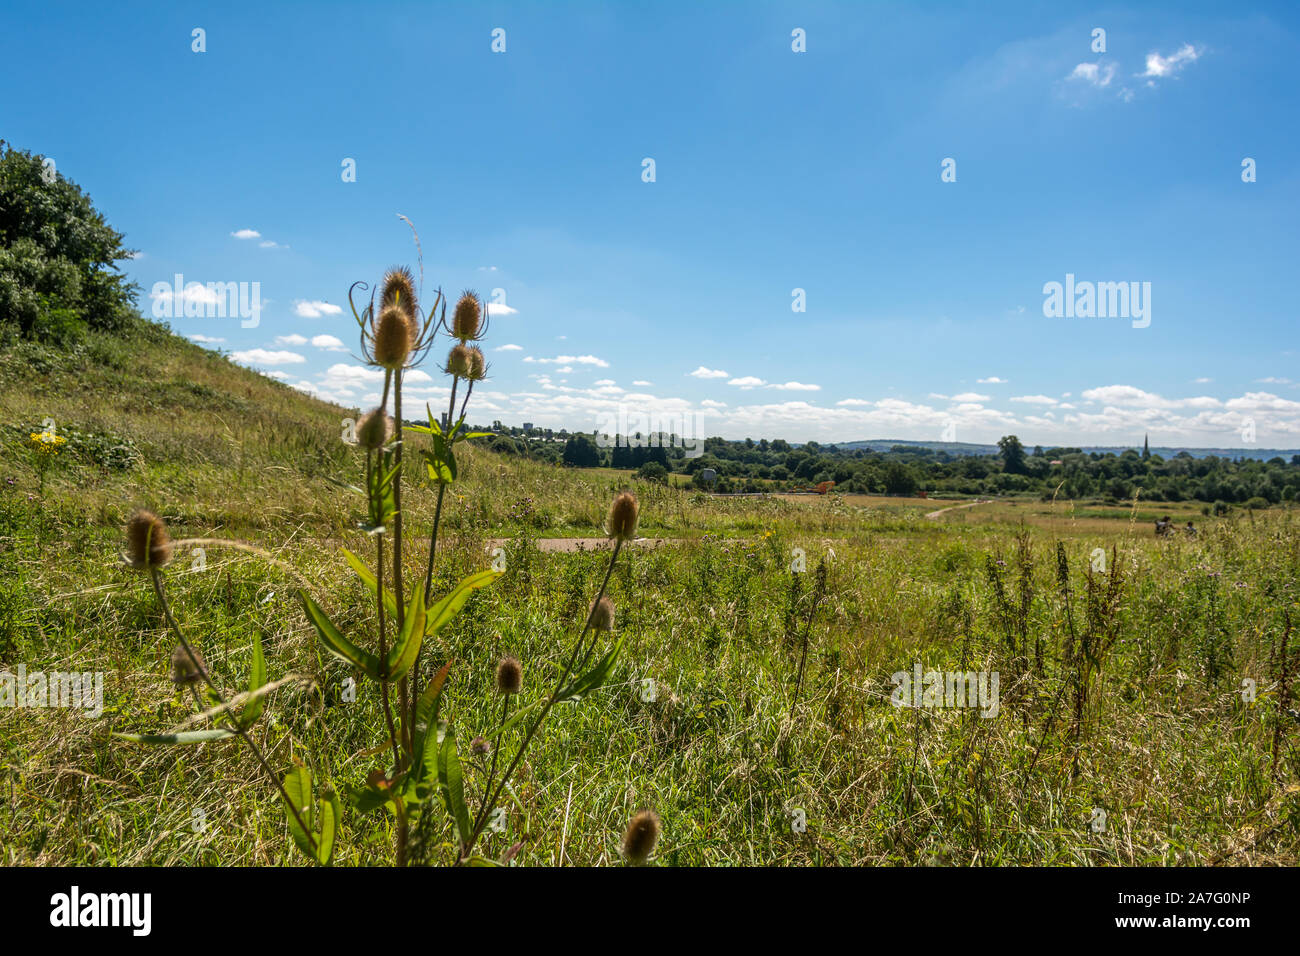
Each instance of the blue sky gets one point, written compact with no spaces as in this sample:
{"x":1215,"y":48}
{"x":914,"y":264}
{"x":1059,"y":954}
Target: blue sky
{"x":775,"y":170}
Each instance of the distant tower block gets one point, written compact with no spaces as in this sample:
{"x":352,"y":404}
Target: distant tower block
{"x":528,"y":426}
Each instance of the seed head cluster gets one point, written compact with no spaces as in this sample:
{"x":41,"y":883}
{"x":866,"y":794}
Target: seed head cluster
{"x":640,"y":837}
{"x":148,"y":545}
{"x":510,"y":676}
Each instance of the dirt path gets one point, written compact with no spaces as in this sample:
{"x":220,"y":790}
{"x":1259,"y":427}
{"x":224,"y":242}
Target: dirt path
{"x":969,"y":504}
{"x":564,"y":545}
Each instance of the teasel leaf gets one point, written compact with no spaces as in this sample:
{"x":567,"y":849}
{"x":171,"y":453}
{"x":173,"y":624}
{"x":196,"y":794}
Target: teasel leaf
{"x":403,"y":653}
{"x":453,"y":785}
{"x":336,"y":643}
{"x":441,"y":613}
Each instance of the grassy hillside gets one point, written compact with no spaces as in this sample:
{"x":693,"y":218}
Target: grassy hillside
{"x":1121,"y":691}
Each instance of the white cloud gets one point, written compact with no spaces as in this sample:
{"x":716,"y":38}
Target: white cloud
{"x":1160,"y":66}
{"x":710,"y":403}
{"x":853,"y":402}
{"x":246,"y":234}
{"x":642,"y":383}
{"x":205,"y":339}
{"x":329,"y":343}
{"x":970,"y":397}
{"x":796,"y":387}
{"x":194,"y":292}
{"x":509,"y":348}
{"x":1094,"y":74}
{"x":991,"y":380}
{"x":569,"y":360}
{"x":747,"y":381}
{"x":703,"y":372}
{"x":1034,"y":399}
{"x":290,"y":340}
{"x":314,"y":309}
{"x":604,"y":381}
{"x":1132,"y":397}
{"x":500,"y":308}
{"x":266,"y":357}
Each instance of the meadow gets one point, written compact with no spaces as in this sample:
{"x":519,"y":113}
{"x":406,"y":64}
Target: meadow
{"x":1147,"y":697}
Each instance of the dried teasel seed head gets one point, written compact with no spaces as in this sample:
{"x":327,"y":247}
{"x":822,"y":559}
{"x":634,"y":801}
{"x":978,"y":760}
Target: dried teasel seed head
{"x":459,"y":361}
{"x":477,"y":364}
{"x":394,"y":338}
{"x":621,"y":523}
{"x":148,"y":545}
{"x":467,"y":320}
{"x":640,"y":837}
{"x":510,"y":676}
{"x":399,"y":291}
{"x":375,"y":429}
{"x":601,"y":617}
{"x":184,"y":669}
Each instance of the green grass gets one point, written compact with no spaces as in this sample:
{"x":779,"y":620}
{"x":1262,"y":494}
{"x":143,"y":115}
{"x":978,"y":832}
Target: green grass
{"x":1182,"y":766}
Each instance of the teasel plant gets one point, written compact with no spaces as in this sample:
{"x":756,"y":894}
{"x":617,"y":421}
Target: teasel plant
{"x":150,"y":550}
{"x":424,"y":775}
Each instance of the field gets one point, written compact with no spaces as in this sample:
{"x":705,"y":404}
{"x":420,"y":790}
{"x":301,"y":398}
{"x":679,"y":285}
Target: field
{"x":1146,"y":711}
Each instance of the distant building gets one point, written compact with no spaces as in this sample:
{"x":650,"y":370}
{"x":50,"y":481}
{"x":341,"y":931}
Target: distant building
{"x":528,"y":426}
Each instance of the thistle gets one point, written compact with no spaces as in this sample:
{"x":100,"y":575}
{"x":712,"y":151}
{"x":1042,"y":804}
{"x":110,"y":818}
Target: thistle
{"x":621,"y":523}
{"x":375,"y":429}
{"x":460,"y":362}
{"x":148,"y":545}
{"x":188,"y":666}
{"x":601,"y":617}
{"x":399,"y":292}
{"x":640,"y":837}
{"x":477,"y":365}
{"x":509,"y":676}
{"x":394,"y":338}
{"x":467,"y":320}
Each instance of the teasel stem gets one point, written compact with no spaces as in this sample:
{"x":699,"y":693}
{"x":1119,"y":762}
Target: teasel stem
{"x":383,"y":651}
{"x":397,"y":522}
{"x":156,"y":576}
{"x":496,"y":750}
{"x":481,"y":819}
{"x":428,"y":571}
{"x":469,"y":390}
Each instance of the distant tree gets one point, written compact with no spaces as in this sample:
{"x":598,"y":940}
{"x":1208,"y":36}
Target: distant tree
{"x":652,"y":471}
{"x":1013,"y":454}
{"x":58,"y":272}
{"x":581,"y":452}
{"x":900,"y":479}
